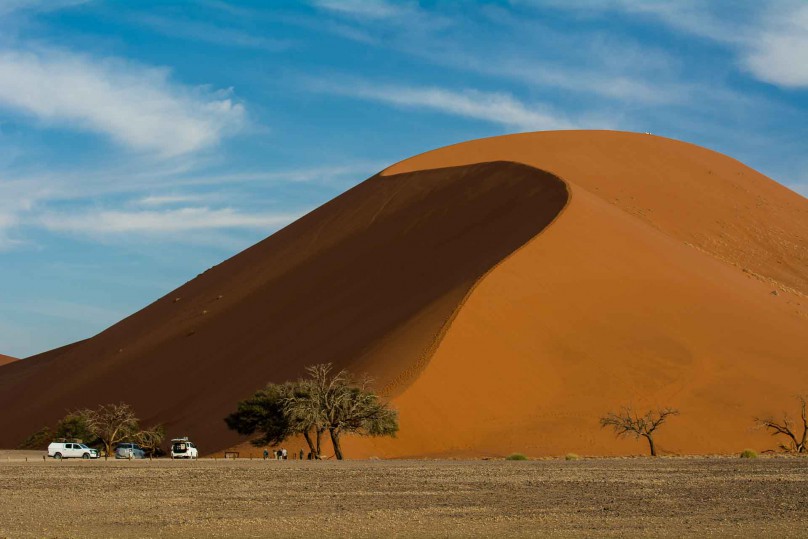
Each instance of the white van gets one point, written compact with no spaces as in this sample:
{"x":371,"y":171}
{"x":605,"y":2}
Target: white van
{"x":181,"y":448}
{"x":71,"y":450}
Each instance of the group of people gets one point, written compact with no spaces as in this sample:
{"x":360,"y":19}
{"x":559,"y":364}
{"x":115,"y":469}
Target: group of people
{"x":281,"y":454}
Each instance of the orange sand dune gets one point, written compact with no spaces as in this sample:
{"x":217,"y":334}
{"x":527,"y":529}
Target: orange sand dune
{"x":504,"y":292}
{"x":6,"y":359}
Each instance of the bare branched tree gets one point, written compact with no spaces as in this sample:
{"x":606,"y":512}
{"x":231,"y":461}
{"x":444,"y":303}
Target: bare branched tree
{"x":151,"y":439}
{"x":356,"y":409}
{"x":339,"y":405}
{"x":797,"y":443}
{"x":627,"y":422}
{"x":111,"y":423}
{"x":305,"y":414}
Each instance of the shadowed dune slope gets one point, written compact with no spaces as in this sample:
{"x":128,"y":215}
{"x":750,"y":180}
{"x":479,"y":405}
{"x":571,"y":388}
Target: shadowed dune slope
{"x":6,"y":359}
{"x":676,"y":276}
{"x":367,"y":281}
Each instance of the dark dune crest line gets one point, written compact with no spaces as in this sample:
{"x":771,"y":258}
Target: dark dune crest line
{"x":369,"y":281}
{"x":409,"y":374}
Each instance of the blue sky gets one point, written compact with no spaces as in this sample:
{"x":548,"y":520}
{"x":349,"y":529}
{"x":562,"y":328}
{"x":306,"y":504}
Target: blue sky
{"x":143,"y":142}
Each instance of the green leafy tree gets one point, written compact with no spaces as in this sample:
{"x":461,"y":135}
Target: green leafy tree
{"x":264,"y":413}
{"x":75,"y":426}
{"x":38,"y":440}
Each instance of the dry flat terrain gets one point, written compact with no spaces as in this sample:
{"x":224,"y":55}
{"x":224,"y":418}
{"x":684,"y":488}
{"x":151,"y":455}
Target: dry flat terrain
{"x":600,"y":497}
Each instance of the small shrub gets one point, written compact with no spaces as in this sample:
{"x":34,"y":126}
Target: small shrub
{"x":749,"y":454}
{"x":516,"y":456}
{"x":38,"y":440}
{"x":571,"y":456}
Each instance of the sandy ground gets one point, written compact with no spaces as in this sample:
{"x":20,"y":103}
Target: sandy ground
{"x":667,"y":497}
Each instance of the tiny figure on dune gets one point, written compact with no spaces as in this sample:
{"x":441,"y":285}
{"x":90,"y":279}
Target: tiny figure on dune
{"x":301,"y":454}
{"x":266,"y":453}
{"x":283,"y":454}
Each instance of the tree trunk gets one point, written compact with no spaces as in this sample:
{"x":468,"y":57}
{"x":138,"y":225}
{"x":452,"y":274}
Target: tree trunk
{"x":307,"y":436}
{"x":319,"y":444}
{"x":651,"y":445}
{"x":801,"y":448}
{"x":335,"y":441}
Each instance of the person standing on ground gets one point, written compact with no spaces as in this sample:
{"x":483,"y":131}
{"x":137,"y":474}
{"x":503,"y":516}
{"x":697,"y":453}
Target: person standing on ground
{"x":283,"y":453}
{"x":266,"y":453}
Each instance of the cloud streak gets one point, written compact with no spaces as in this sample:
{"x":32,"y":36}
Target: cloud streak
{"x":366,"y":9}
{"x":778,"y":52}
{"x":770,"y":40}
{"x":494,"y":107}
{"x":112,"y":222}
{"x":137,"y":106}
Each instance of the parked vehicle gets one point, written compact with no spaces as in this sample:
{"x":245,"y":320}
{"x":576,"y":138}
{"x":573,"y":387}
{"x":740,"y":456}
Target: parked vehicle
{"x":71,"y":450}
{"x":181,"y":448}
{"x":129,"y":451}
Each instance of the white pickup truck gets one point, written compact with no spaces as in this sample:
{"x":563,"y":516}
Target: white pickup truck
{"x":68,"y":450}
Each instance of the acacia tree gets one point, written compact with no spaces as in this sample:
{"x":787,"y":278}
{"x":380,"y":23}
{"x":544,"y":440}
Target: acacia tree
{"x":326,"y":401}
{"x":38,"y":440}
{"x":111,"y":423}
{"x":359,"y":411}
{"x":350,"y":408}
{"x":74,"y":426}
{"x":627,"y":422}
{"x":305,"y":414}
{"x":151,"y":439}
{"x":263,"y":413}
{"x":796,"y":443}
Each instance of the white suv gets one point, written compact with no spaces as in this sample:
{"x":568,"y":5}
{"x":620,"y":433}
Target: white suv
{"x":67,"y":450}
{"x":181,"y":448}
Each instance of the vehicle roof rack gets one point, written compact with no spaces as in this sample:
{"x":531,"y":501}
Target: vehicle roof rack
{"x":183,"y":439}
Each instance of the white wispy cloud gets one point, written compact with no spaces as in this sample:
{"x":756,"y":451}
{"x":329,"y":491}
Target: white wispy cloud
{"x":778,"y":51}
{"x":368,"y":9}
{"x":110,"y":222}
{"x":770,"y":39}
{"x":9,"y":6}
{"x":408,"y":15}
{"x":138,"y":106}
{"x":210,"y":33}
{"x":145,"y":198}
{"x":167,"y":200}
{"x":495,"y":107}
{"x":8,"y":221}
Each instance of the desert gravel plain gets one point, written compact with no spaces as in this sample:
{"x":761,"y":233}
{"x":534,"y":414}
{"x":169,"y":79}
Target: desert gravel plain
{"x":665,"y":497}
